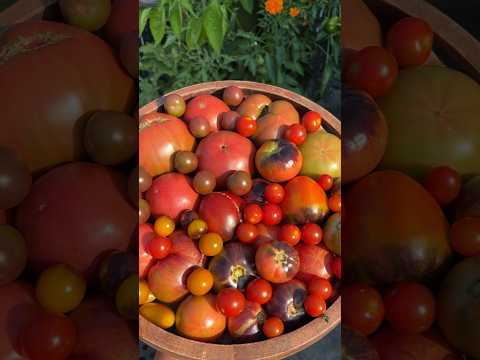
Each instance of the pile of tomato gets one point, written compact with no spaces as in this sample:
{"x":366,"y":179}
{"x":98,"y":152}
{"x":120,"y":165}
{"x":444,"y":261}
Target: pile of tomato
{"x":235,"y":243}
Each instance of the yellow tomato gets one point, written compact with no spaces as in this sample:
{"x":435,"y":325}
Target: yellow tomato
{"x":158,"y":314}
{"x":164,"y":226}
{"x":197,"y":228}
{"x":126,"y":297}
{"x":144,"y":293}
{"x":200,"y":281}
{"x":210,"y":244}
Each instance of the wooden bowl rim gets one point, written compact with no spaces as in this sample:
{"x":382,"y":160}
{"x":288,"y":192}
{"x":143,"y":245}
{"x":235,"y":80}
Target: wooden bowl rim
{"x":275,"y":348}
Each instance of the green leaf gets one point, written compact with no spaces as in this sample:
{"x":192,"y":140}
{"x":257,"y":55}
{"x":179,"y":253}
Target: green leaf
{"x":270,"y":68}
{"x":193,"y":33}
{"x":176,"y":21}
{"x":247,"y":5}
{"x":225,"y":20}
{"x":157,"y":24}
{"x":143,"y":19}
{"x":187,"y":5}
{"x":213,"y":25}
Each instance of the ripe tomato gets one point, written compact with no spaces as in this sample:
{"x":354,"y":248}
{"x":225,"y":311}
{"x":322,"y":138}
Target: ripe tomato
{"x":372,"y":69}
{"x":246,"y":233}
{"x":410,"y":41}
{"x":312,"y":234}
{"x":259,"y":291}
{"x":326,"y":182}
{"x":274,"y":193}
{"x":312,"y":121}
{"x":315,"y":305}
{"x":200,"y":281}
{"x":210,"y":244}
{"x":335,"y":202}
{"x":230,"y":302}
{"x":159,"y":314}
{"x":197,"y":228}
{"x":272,"y":214}
{"x":409,"y":307}
{"x":465,"y":236}
{"x":145,"y":295}
{"x":337,"y":267}
{"x":277,"y":262}
{"x":321,"y":287}
{"x":164,"y":226}
{"x":160,"y":247}
{"x":444,"y":184}
{"x":273,"y":327}
{"x":246,"y":126}
{"x":296,"y":134}
{"x":362,"y":308}
{"x":290,"y":234}
{"x":252,"y":213}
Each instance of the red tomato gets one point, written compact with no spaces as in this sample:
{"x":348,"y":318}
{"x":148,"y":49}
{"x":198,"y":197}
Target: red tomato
{"x":312,"y":121}
{"x":272,"y":214}
{"x":252,"y":213}
{"x":230,"y":302}
{"x":362,"y":308}
{"x":274,"y":193}
{"x":312,"y":234}
{"x":410,"y":41}
{"x":246,"y":126}
{"x":444,"y":184}
{"x":160,"y":247}
{"x":246,"y":233}
{"x":277,"y":262}
{"x":290,"y":234}
{"x":296,"y":134}
{"x":315,"y":305}
{"x":273,"y":327}
{"x":372,"y":69}
{"x":321,"y":287}
{"x":335,"y":202}
{"x":259,"y":291}
{"x":337,"y":267}
{"x":326,"y":182}
{"x":410,"y":307}
{"x":465,"y":236}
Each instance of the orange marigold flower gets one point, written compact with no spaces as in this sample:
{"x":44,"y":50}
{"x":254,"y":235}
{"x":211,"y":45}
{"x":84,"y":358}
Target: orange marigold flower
{"x":294,"y":12}
{"x":274,"y":7}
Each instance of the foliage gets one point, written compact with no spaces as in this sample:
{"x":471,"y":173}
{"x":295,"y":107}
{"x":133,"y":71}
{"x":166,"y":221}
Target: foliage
{"x":186,"y":42}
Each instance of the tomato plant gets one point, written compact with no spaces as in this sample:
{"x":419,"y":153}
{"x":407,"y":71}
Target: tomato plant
{"x":259,"y":291}
{"x":230,"y":302}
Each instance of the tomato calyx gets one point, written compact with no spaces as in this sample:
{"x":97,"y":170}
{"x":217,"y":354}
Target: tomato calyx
{"x":237,"y":272}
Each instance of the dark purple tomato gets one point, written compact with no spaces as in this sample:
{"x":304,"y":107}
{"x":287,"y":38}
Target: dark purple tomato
{"x":257,"y":192}
{"x":115,"y":268}
{"x":229,"y":120}
{"x":186,"y":217}
{"x":239,"y":183}
{"x":185,"y":162}
{"x":144,"y":180}
{"x":233,"y":95}
{"x":199,"y":127}
{"x":204,"y":182}
{"x":15,"y":179}
{"x":248,"y":325}
{"x":287,"y":301}
{"x":143,"y":211}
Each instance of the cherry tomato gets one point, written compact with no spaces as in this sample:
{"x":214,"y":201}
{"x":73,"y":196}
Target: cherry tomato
{"x":144,"y":294}
{"x":164,"y":226}
{"x":246,"y":233}
{"x":197,"y":228}
{"x":315,"y":305}
{"x":252,"y":213}
{"x":259,"y":291}
{"x":60,"y":289}
{"x":312,"y":234}
{"x":230,"y":302}
{"x":465,"y":236}
{"x":272,"y":214}
{"x":409,"y":307}
{"x":335,"y":202}
{"x":326,"y":182}
{"x":337,"y":267}
{"x":246,"y":126}
{"x":126,"y":297}
{"x":159,"y":314}
{"x":49,"y":336}
{"x":233,"y":95}
{"x":239,"y":183}
{"x":312,"y":121}
{"x":372,"y":69}
{"x":290,"y":234}
{"x":273,"y":327}
{"x":210,"y":244}
{"x":362,"y":308}
{"x":410,"y":40}
{"x":274,"y":193}
{"x":444,"y":184}
{"x":321,"y":287}
{"x":296,"y":134}
{"x":160,"y":247}
{"x":200,"y":281}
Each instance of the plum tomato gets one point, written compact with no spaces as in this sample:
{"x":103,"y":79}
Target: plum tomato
{"x":143,"y":211}
{"x":272,"y":214}
{"x":186,"y":217}
{"x":274,"y":193}
{"x":273,"y":327}
{"x":200,"y":281}
{"x":164,"y":226}
{"x":230,"y":302}
{"x":312,"y":121}
{"x":410,"y":40}
{"x":197,"y":228}
{"x":325,"y":181}
{"x":174,"y":105}
{"x":290,"y":234}
{"x":160,"y":247}
{"x":335,"y":202}
{"x":247,"y":325}
{"x":465,"y":236}
{"x":321,"y":287}
{"x":252,"y":213}
{"x":246,"y":126}
{"x":144,"y":180}
{"x":246,"y":233}
{"x":60,"y":289}
{"x":185,"y":162}
{"x":277,"y":262}
{"x":239,"y":183}
{"x":210,"y":244}
{"x":259,"y":291}
{"x":444,"y":184}
{"x":315,"y":305}
{"x":372,"y":69}
{"x":145,"y":295}
{"x":312,"y":234}
{"x":228,"y":120}
{"x":362,"y":308}
{"x":199,"y":127}
{"x":204,"y":182}
{"x":409,"y":307}
{"x":233,"y":95}
{"x":296,"y":134}
{"x":158,"y":314}
{"x":337,"y":267}
{"x":287,"y":301}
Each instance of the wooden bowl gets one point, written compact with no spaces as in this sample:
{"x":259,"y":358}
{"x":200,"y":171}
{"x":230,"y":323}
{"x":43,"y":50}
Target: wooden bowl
{"x":277,"y":348}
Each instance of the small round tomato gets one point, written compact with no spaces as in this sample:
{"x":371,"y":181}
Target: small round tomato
{"x":296,"y":134}
{"x":362,"y":308}
{"x":246,"y":126}
{"x":259,"y":291}
{"x":200,"y":281}
{"x":145,"y":295}
{"x":321,"y":287}
{"x":312,"y":234}
{"x":410,"y":40}
{"x":277,"y":262}
{"x":239,"y":183}
{"x":290,"y":234}
{"x":337,"y":267}
{"x":273,"y":327}
{"x":252,"y":213}
{"x":409,"y":307}
{"x":272,"y":214}
{"x":335,"y":202}
{"x":210,"y":244}
{"x":164,"y":226}
{"x":312,"y":121}
{"x":174,"y":105}
{"x":158,"y":314}
{"x":246,"y":233}
{"x":465,"y":236}
{"x":233,"y":95}
{"x":274,"y":193}
{"x":197,"y":228}
{"x":230,"y":302}
{"x":315,"y":305}
{"x":326,"y":182}
{"x":373,"y":70}
{"x":160,"y":247}
{"x":444,"y":184}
